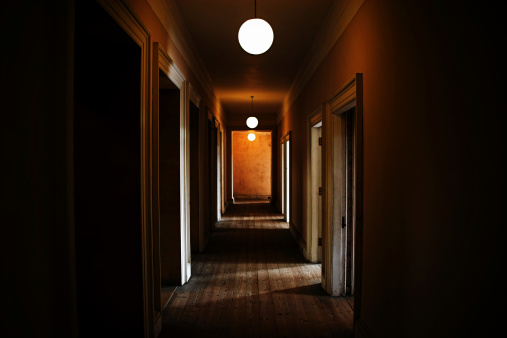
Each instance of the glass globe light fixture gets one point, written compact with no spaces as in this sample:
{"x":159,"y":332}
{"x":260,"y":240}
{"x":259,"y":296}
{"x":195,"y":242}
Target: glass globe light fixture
{"x":252,"y":122}
{"x":255,"y":35}
{"x":251,"y":136}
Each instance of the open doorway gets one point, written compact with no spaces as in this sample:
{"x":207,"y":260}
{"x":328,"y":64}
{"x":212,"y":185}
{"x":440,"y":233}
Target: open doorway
{"x":195,"y":188}
{"x":211,"y":175}
{"x":109,"y":185}
{"x":343,"y":203}
{"x":218,"y":177}
{"x":169,"y":180}
{"x":251,"y":166}
{"x":286,"y":176}
{"x":342,"y":214}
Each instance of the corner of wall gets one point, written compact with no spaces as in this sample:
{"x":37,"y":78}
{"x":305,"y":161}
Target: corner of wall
{"x":299,"y":239}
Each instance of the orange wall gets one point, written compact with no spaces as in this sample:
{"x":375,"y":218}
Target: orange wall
{"x":433,"y":111}
{"x":251,"y":164}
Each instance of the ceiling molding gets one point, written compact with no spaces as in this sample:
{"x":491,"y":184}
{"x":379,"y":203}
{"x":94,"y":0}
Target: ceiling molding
{"x":194,"y":96}
{"x":333,"y":27}
{"x":168,"y":13}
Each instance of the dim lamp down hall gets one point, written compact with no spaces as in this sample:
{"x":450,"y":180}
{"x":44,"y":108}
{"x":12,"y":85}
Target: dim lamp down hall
{"x":252,"y":121}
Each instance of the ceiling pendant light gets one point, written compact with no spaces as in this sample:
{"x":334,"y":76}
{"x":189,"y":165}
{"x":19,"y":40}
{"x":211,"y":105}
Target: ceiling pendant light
{"x":251,"y":136}
{"x":255,"y":35}
{"x":252,"y":121}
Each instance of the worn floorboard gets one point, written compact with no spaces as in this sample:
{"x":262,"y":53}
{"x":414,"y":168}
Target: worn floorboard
{"x":252,"y":281}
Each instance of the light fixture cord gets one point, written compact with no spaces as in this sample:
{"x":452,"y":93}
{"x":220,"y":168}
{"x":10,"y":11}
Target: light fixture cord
{"x":255,"y":10}
{"x":252,"y":104}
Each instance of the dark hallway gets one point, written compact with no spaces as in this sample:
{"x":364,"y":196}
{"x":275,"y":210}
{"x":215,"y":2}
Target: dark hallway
{"x":253,"y":281}
{"x":387,"y":123}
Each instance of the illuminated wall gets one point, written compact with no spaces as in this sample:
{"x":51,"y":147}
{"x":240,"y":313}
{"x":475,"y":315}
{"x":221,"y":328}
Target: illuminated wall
{"x":251,"y":164}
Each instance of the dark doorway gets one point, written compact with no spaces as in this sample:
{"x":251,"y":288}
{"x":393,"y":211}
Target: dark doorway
{"x":169,"y":182}
{"x":209,"y":178}
{"x":214,"y":173}
{"x":107,"y":162}
{"x":194,"y":177}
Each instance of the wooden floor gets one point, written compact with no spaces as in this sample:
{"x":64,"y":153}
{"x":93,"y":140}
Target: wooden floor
{"x":253,"y":281}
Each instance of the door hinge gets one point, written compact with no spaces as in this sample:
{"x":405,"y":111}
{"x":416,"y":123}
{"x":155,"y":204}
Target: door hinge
{"x":320,"y":191}
{"x":320,"y":241}
{"x":320,"y":141}
{"x":343,"y":222}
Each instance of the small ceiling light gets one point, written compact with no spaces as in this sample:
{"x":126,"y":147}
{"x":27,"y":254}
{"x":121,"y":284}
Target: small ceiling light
{"x":252,"y":121}
{"x":255,"y":35}
{"x":251,"y":136}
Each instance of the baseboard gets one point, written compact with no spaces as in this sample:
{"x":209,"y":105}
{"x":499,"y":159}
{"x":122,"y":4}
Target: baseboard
{"x":361,"y":330}
{"x":252,"y":197}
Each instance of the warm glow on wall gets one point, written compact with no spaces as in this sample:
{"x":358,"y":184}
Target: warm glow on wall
{"x":251,"y":136}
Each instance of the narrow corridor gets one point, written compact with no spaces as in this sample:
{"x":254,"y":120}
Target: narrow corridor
{"x":253,"y":281}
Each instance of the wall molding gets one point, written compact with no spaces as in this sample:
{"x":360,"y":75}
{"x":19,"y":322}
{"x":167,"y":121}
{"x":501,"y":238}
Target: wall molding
{"x":194,"y":96}
{"x":169,"y":68}
{"x":342,"y":99}
{"x":333,"y":27}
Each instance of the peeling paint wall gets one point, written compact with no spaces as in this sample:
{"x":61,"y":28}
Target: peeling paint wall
{"x":251,"y":165}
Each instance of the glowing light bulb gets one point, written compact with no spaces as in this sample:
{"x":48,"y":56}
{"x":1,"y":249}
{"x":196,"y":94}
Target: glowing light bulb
{"x":255,"y":36}
{"x":252,"y":122}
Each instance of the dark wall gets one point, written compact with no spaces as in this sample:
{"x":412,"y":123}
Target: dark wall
{"x":434,"y":106}
{"x":36,"y":297}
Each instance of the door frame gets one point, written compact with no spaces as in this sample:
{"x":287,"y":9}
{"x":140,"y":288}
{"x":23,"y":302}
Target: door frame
{"x":311,"y":252}
{"x":176,"y":76}
{"x":195,"y":98}
{"x":218,"y":178}
{"x":349,"y":96}
{"x":286,"y":175}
